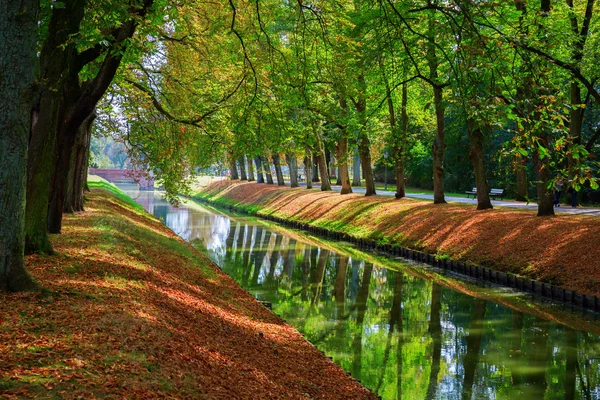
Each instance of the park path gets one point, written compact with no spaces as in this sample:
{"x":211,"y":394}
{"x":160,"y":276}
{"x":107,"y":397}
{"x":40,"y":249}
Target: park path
{"x":563,"y":209}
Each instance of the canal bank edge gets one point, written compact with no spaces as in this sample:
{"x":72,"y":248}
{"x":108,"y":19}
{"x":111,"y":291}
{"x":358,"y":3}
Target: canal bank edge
{"x":466,"y":268}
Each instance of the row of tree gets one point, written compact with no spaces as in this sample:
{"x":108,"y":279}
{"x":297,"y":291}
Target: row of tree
{"x":368,"y":79}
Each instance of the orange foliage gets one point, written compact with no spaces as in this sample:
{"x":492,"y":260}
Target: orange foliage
{"x":129,"y":310}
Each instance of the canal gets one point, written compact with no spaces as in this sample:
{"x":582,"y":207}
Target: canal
{"x":404,"y":330}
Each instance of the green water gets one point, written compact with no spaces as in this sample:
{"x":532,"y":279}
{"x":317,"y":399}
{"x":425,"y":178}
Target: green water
{"x":401,"y":334}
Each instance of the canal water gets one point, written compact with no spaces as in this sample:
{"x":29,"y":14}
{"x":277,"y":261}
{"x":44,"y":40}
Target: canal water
{"x":404,"y":330}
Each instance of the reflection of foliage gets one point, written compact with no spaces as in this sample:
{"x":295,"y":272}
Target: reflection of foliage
{"x":512,"y":347}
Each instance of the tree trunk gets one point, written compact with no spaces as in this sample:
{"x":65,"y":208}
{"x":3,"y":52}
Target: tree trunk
{"x":342,"y":158}
{"x":338,"y":180}
{"x":83,"y":151}
{"x":329,"y":156}
{"x":278,"y":172}
{"x":18,"y":65}
{"x":543,"y":178}
{"x":242,"y":163}
{"x":367,"y":168}
{"x":293,"y":166}
{"x":308,"y":168}
{"x":400,"y":145}
{"x":521,"y":173}
{"x":250,"y":169}
{"x":438,"y":149}
{"x":233,"y":172}
{"x":315,"y":171}
{"x":267,"y":170}
{"x":322,"y":164}
{"x":476,"y":154}
{"x":259,"y":174}
{"x":48,"y":111}
{"x":356,"y":169}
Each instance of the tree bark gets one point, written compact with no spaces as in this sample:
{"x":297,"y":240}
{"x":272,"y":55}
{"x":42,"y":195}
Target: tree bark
{"x":315,"y":171}
{"x":438,"y":149}
{"x":356,"y":169}
{"x":521,"y":173}
{"x":476,"y":154}
{"x":320,"y":159}
{"x":308,"y":168}
{"x":18,"y":65}
{"x":79,"y":167}
{"x":250,"y":169}
{"x":259,"y":174}
{"x":278,"y":172}
{"x":543,"y":177}
{"x":233,"y":172}
{"x":293,"y":166}
{"x":367,"y":168}
{"x":48,"y":111}
{"x":400,"y":143}
{"x":242,"y":163}
{"x":267,"y":170}
{"x":342,"y":159}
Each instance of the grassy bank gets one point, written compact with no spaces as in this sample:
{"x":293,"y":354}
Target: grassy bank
{"x":560,"y":250}
{"x":129,"y":310}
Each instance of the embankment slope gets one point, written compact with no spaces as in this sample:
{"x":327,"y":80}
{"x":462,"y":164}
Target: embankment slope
{"x":129,"y":310}
{"x":563,"y":250}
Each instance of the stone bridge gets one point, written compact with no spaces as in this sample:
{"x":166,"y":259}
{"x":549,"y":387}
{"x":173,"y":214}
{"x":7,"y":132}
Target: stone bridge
{"x":142,"y":178}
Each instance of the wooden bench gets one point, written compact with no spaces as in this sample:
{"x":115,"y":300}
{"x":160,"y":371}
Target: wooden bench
{"x":473,"y":193}
{"x":494,"y":193}
{"x":497,"y":193}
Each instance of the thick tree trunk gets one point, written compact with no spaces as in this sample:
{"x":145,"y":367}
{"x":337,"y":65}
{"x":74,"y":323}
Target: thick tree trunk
{"x":259,"y":170}
{"x":322,"y":164}
{"x":356,"y":169}
{"x":49,"y":110}
{"x":543,"y":178}
{"x":81,"y":158}
{"x":476,"y":154}
{"x":242,"y":163}
{"x":438,"y":149}
{"x":308,"y":168}
{"x":293,"y":166}
{"x":278,"y":172}
{"x":250,"y":169}
{"x":267,"y":170}
{"x":521,"y":173}
{"x":18,"y":65}
{"x":342,"y":158}
{"x":367,"y":168}
{"x":338,"y":180}
{"x":233,"y":172}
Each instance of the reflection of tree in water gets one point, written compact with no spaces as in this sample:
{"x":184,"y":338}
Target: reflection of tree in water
{"x":435,"y":330}
{"x":339,"y":286}
{"x":471,"y":357}
{"x":317,"y":279}
{"x":395,"y":324}
{"x":361,"y":308}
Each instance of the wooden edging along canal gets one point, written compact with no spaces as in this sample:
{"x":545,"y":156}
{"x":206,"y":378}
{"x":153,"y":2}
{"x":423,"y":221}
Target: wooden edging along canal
{"x":468,"y":268}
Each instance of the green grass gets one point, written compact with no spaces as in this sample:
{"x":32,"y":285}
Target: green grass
{"x":97,"y":182}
